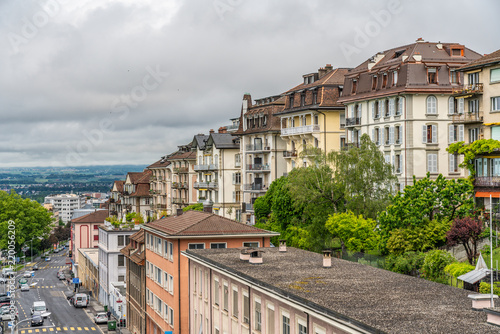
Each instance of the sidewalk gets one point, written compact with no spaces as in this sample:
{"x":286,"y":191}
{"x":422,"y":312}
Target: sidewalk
{"x":94,"y":307}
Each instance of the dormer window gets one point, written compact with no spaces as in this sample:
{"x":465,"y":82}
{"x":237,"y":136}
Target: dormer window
{"x":454,"y":77}
{"x":397,"y":54}
{"x":374,"y":82}
{"x":394,"y":78}
{"x":291,"y":101}
{"x":302,"y":99}
{"x":457,"y":52}
{"x":384,"y":80}
{"x":432,"y":75}
{"x":315,"y":96}
{"x":354,"y":86}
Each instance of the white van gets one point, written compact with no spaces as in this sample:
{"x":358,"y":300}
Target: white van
{"x":39,"y":307}
{"x":8,"y":272}
{"x":80,"y":300}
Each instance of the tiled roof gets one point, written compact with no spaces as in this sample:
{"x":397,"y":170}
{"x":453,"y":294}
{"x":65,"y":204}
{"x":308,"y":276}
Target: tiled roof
{"x":141,"y":190}
{"x":180,"y":155}
{"x":138,"y":236}
{"x":193,"y":223}
{"x":269,"y":109}
{"x":489,"y":59}
{"x":200,"y":140}
{"x":379,"y":300}
{"x":223,"y":140}
{"x":135,"y":254}
{"x":94,"y":217}
{"x":163,"y":162}
{"x":334,"y":77}
{"x":119,"y":185}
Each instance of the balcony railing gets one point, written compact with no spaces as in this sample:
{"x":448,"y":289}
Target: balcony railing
{"x":180,"y":185}
{"x":181,"y":170}
{"x":257,"y":148}
{"x":178,"y":200}
{"x":342,"y":125}
{"x":200,"y":167}
{"x":289,"y":154}
{"x":487,"y":181}
{"x":348,"y":146}
{"x":300,"y":130}
{"x":161,"y":206}
{"x":248,"y":206}
{"x":474,"y":117}
{"x":255,"y":186}
{"x":206,"y":185}
{"x":259,"y":167}
{"x":352,"y":121}
{"x":476,"y":88}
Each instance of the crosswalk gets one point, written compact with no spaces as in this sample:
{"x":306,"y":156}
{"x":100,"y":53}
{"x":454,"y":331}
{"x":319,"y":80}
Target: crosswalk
{"x":44,"y":287}
{"x":52,"y":329}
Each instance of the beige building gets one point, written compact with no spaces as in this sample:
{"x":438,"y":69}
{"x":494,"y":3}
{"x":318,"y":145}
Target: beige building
{"x":183,"y":177}
{"x":136,"y":195}
{"x":312,"y":116}
{"x":160,"y":186}
{"x":88,"y":269}
{"x":402,"y":99}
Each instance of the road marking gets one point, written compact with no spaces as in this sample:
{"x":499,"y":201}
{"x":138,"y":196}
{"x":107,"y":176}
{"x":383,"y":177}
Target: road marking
{"x":79,"y":328}
{"x":72,"y":328}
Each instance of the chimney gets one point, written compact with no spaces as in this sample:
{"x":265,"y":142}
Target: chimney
{"x":245,"y":254}
{"x":327,"y":258}
{"x":321,"y":72}
{"x":255,"y":256}
{"x":208,"y":205}
{"x":211,"y":131}
{"x":179,"y":212}
{"x":420,"y":40}
{"x":481,"y":301}
{"x":222,"y":129}
{"x":282,"y":245}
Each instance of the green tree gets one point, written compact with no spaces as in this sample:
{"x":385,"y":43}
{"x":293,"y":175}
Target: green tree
{"x":354,"y":232}
{"x":470,"y":151}
{"x":458,"y":268}
{"x":425,"y":201}
{"x":194,"y":207}
{"x":31,"y":220}
{"x":434,"y":264}
{"x":408,"y":263}
{"x":430,"y":235}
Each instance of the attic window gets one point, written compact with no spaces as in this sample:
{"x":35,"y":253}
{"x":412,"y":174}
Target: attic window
{"x":397,"y":54}
{"x":457,"y":52}
{"x":374,"y":82}
{"x":432,"y":75}
{"x":354,"y":86}
{"x":384,"y":80}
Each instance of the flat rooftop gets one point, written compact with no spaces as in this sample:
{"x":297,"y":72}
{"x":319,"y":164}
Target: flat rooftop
{"x":383,"y":300}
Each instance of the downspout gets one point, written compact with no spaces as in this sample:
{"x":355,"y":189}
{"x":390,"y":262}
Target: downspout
{"x":179,"y":280}
{"x":249,"y":308}
{"x":223,"y":192}
{"x":275,"y":158}
{"x":189,"y":288}
{"x":210,"y":297}
{"x":406,"y":148}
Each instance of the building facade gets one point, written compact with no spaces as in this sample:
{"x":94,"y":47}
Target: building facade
{"x":183,"y":177}
{"x":65,"y":204}
{"x":167,"y":274}
{"x":402,"y":98}
{"x":136,"y":195}
{"x":160,"y":187}
{"x":88,"y":270}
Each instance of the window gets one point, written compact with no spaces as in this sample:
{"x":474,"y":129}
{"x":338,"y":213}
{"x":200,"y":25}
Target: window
{"x":431,"y":105}
{"x":291,"y":101}
{"x":226,"y":298}
{"x":432,"y":163}
{"x":455,"y":133}
{"x":432,"y":75}
{"x":158,"y":275}
{"x":235,"y":303}
{"x":214,"y":245}
{"x":237,"y":178}
{"x":246,"y":309}
{"x":171,"y":317}
{"x":452,"y":106}
{"x":398,"y":132}
{"x":315,"y":96}
{"x":495,"y":75}
{"x":258,"y":316}
{"x":457,"y":52}
{"x":96,"y":227}
{"x":96,"y":237}
{"x":302,"y":328}
{"x":429,"y":134}
{"x":374,"y":82}
{"x":171,"y":284}
{"x":474,"y":106}
{"x":495,"y":103}
{"x":376,"y":136}
{"x":216,"y":292}
{"x":384,"y":80}
{"x":171,"y":251}
{"x":121,"y":260}
{"x":251,"y":244}
{"x":121,"y":278}
{"x":285,"y":324}
{"x":237,"y":160}
{"x":473,"y":135}
{"x":387,"y":108}
{"x":454,"y":77}
{"x":302,"y":99}
{"x":453,"y":163}
{"x":473,"y":78}
{"x":398,"y":163}
{"x":394,"y":78}
{"x":354,"y":86}
{"x":196,"y":246}
{"x":270,"y":319}
{"x":121,"y":240}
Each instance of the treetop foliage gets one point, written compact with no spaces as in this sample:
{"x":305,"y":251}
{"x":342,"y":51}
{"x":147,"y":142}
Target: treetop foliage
{"x":470,"y":151}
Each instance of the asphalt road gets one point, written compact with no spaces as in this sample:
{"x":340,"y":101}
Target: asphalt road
{"x":64,"y":318}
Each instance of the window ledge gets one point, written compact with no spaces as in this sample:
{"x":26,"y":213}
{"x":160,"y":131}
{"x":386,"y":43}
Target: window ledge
{"x":432,"y":144}
{"x":454,"y":173}
{"x":431,"y":115}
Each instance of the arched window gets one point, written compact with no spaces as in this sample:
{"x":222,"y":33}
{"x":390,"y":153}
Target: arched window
{"x":431,"y":105}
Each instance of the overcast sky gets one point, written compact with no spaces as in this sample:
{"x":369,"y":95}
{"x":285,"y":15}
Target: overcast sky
{"x":94,"y":82}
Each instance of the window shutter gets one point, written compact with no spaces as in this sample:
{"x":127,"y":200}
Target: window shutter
{"x":460,"y":106}
{"x":434,"y":134}
{"x":351,"y":111}
{"x":381,"y":132}
{"x":429,"y":162}
{"x":373,"y":136}
{"x":435,"y":163}
{"x":391,"y":107}
{"x":452,"y":163}
{"x":373,"y":110}
{"x":234,"y":196}
{"x":461,"y":132}
{"x":234,"y":178}
{"x":391,"y":135}
{"x":451,"y":134}
{"x":400,"y":134}
{"x":393,"y":160}
{"x":424,"y":134}
{"x":401,"y":162}
{"x":451,"y":105}
{"x":360,"y":109}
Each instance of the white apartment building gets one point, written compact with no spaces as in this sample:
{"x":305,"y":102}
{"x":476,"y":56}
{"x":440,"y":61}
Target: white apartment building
{"x":65,"y":204}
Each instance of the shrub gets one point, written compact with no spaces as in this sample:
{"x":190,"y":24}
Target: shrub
{"x":458,"y":268}
{"x":408,"y":263}
{"x":434,"y":263}
{"x":486,"y":288}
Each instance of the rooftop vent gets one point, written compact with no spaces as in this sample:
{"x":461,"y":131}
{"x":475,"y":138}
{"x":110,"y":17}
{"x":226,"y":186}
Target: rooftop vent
{"x":256,"y":256}
{"x":179,"y":212}
{"x":208,"y":205}
{"x":282,"y":247}
{"x":245,"y":254}
{"x":327,"y":258}
{"x":420,"y":40}
{"x":481,"y":300}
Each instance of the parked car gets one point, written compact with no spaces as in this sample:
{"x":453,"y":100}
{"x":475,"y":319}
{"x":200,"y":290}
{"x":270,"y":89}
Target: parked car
{"x":101,"y":318}
{"x":3,"y":280}
{"x":37,"y":319}
{"x":28,"y":274}
{"x":6,"y":313}
{"x":47,"y":258}
{"x":35,"y":267}
{"x":81,"y":300}
{"x":25,"y":287}
{"x":61,"y":275}
{"x":4,"y":299}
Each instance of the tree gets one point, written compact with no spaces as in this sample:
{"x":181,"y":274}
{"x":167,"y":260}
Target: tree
{"x":470,"y":151}
{"x":434,"y":263}
{"x":431,"y":235}
{"x":408,"y":263}
{"x":425,"y":201}
{"x":355,"y":232}
{"x":194,"y":207}
{"x":467,"y":232}
{"x":31,"y":220}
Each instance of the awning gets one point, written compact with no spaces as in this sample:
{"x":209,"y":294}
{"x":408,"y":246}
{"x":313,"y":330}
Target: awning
{"x":488,"y":193}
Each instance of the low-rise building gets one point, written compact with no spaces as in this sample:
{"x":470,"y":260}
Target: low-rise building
{"x":296,"y":291}
{"x":88,"y":270}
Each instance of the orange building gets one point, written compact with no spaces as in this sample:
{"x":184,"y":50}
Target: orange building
{"x":167,"y":274}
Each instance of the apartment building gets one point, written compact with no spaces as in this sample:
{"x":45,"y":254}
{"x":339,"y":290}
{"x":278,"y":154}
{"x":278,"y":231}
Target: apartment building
{"x":288,"y":290}
{"x":160,"y":186}
{"x":480,"y":119}
{"x":85,"y":234}
{"x":218,"y":164}
{"x":136,"y":195}
{"x":313,"y":116}
{"x":88,"y":269}
{"x":167,"y":276}
{"x":115,"y":200}
{"x":401,"y":98}
{"x":183,"y":177}
{"x":65,"y":204}
{"x":135,"y":255}
{"x":112,"y":268}
{"x":262,"y":150}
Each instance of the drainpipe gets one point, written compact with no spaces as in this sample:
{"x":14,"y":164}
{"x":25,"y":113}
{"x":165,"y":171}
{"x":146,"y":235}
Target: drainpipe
{"x":406,"y":147}
{"x":275,"y":160}
{"x":221,"y":153}
{"x":179,"y":281}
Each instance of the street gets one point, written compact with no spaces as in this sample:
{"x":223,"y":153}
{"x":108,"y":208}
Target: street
{"x":46,"y":286}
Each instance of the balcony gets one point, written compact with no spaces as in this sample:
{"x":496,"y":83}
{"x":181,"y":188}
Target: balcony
{"x":161,"y":206}
{"x":466,"y":90}
{"x":487,"y":181}
{"x":348,"y":146}
{"x":179,"y":185}
{"x":352,"y":121}
{"x":289,"y":154}
{"x":255,"y":187}
{"x":200,"y":167}
{"x":475,"y":117}
{"x":248,"y":206}
{"x":257,"y":148}
{"x":299,"y":130}
{"x":206,"y":185}
{"x":178,"y":200}
{"x":181,"y":170}
{"x":259,"y":167}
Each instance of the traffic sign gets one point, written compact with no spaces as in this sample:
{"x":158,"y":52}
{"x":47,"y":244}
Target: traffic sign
{"x":76,"y":280}
{"x":32,"y":274}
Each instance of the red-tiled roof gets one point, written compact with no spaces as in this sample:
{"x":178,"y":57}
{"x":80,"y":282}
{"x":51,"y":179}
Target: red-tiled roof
{"x":492,"y":58}
{"x":202,"y":223}
{"x":119,"y":185}
{"x":94,"y":217}
{"x":141,"y":190}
